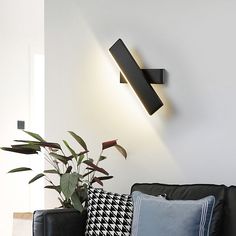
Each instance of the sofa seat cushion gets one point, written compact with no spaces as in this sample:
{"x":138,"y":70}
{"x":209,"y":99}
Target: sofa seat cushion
{"x":190,"y":192}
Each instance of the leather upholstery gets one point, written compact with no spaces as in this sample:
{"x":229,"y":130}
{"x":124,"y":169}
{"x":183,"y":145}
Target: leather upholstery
{"x":59,"y":222}
{"x":72,"y":223}
{"x":230,"y":212}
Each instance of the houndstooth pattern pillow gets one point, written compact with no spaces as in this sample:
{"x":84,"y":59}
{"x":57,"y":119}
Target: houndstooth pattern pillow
{"x":108,"y":213}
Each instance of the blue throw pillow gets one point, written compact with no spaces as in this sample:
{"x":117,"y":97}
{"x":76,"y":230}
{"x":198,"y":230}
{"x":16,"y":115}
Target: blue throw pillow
{"x":158,"y":216}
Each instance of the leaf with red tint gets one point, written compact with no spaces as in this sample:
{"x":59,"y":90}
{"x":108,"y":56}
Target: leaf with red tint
{"x":95,"y":167}
{"x":89,"y":172}
{"x":82,"y":153}
{"x":95,"y":179}
{"x":105,"y":177}
{"x":108,"y":144}
{"x":51,"y":145}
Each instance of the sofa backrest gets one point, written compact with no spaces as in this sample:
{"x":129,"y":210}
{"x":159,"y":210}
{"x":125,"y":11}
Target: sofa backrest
{"x":230,"y":212}
{"x":224,"y":215}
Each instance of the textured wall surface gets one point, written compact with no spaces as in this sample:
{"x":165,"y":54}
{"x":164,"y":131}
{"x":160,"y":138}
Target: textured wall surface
{"x":192,"y":138}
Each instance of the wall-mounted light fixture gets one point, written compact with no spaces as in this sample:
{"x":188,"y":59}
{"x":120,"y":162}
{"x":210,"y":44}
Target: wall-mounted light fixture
{"x":139,"y":79}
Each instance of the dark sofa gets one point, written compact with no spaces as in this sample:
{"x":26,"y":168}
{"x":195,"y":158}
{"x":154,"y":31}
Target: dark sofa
{"x":68,"y":222}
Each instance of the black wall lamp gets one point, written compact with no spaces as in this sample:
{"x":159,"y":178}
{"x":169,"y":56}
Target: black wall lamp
{"x":139,"y":79}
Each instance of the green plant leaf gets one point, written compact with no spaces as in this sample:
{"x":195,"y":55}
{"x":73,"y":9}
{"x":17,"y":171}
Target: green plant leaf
{"x":57,"y":188}
{"x":81,"y":158}
{"x":79,"y":140}
{"x":68,"y":184}
{"x":28,"y":146}
{"x":19,"y":169}
{"x":121,"y":150}
{"x":39,"y":143}
{"x":25,"y":141}
{"x":51,"y":172}
{"x":80,"y":155}
{"x":38,"y":176}
{"x":101,"y":158}
{"x":35,"y":136}
{"x":70,"y":149}
{"x":82,"y":192}
{"x":61,"y":158}
{"x":108,"y":144}
{"x":22,"y":150}
{"x":95,"y":167}
{"x":76,"y":202}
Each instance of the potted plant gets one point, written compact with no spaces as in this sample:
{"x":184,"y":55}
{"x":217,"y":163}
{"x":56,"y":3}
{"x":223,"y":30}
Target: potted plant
{"x":75,"y":171}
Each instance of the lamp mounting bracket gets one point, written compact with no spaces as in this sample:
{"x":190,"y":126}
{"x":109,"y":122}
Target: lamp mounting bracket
{"x":152,"y":76}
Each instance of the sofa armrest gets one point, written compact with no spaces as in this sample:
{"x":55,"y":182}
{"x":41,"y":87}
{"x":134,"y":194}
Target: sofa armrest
{"x":59,"y":222}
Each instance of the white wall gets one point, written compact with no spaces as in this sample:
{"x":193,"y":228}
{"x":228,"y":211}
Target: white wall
{"x":192,"y":138}
{"x":21,"y":30}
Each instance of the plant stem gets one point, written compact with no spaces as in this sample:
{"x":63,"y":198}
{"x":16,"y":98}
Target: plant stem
{"x":88,"y":170}
{"x":46,"y":177}
{"x":73,"y":163}
{"x":97,"y":164}
{"x":51,"y":160}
